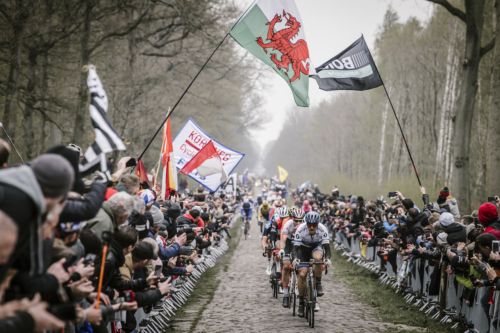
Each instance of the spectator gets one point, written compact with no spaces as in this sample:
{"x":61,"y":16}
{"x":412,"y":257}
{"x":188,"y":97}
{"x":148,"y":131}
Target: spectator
{"x":488,"y":217}
{"x":129,"y":183}
{"x":4,"y":154}
{"x":456,"y":231}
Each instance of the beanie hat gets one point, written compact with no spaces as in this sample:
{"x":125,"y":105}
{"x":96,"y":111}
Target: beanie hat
{"x":174,"y":211}
{"x":148,"y":197}
{"x":442,"y":239}
{"x":157,"y":216}
{"x":446,"y":219}
{"x":144,"y":251}
{"x":441,"y":199}
{"x":74,"y":159}
{"x":487,"y":213}
{"x":54,"y":174}
{"x":485,"y":240}
{"x":140,"y":223}
{"x":445,"y":192}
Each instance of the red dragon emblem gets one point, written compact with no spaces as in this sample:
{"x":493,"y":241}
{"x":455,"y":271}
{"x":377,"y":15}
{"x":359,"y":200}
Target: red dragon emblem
{"x":296,"y":54}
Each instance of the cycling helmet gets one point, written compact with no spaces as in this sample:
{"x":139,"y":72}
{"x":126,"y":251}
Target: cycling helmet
{"x":298,"y":214}
{"x":278,"y":203}
{"x":265,"y":203}
{"x":306,"y":202}
{"x":312,"y":217}
{"x":245,"y":200}
{"x":282,"y":211}
{"x":259,"y":200}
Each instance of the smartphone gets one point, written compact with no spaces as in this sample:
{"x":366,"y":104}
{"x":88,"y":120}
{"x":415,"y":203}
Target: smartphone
{"x":470,"y":254}
{"x":158,"y":270}
{"x":128,"y":295}
{"x":392,"y":195}
{"x":495,"y":246}
{"x":390,"y":237}
{"x":131,"y":163}
{"x":70,"y":261}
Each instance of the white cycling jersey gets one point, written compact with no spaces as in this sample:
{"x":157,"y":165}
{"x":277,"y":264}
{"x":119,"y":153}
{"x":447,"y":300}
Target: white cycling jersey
{"x":303,"y":238}
{"x":288,"y":229}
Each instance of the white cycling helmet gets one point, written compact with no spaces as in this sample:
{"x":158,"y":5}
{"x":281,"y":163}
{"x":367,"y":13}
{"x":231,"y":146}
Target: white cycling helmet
{"x":282,"y":211}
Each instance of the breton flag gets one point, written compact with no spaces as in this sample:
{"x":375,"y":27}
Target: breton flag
{"x":106,"y":138}
{"x":207,"y":162}
{"x":169,"y":178}
{"x":283,"y":174}
{"x":272,"y":31}
{"x":351,"y":69}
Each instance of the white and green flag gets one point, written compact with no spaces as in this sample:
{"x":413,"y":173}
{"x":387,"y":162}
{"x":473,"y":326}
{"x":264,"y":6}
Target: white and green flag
{"x":272,"y":31}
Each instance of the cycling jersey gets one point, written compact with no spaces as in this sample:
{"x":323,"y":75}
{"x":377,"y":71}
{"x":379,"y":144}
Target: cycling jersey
{"x":265,"y":209}
{"x":303,"y":238}
{"x":289,"y":229}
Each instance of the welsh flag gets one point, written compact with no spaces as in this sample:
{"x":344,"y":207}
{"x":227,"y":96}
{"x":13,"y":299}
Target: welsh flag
{"x":272,"y":31}
{"x":169,"y":179}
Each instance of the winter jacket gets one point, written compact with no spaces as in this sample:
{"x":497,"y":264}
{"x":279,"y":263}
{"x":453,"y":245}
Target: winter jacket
{"x":75,"y":210}
{"x":442,"y":208}
{"x":452,"y":202}
{"x":103,"y":221}
{"x":112,"y":277}
{"x":165,"y":252}
{"x":22,"y":199}
{"x":493,"y":228}
{"x":22,"y":322}
{"x":456,"y":233}
{"x":415,"y":225}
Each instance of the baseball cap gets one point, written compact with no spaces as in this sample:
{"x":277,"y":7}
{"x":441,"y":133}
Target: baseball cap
{"x":144,"y":251}
{"x":148,"y":197}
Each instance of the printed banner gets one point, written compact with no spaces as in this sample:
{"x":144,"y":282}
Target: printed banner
{"x":229,"y":187}
{"x":189,"y":141}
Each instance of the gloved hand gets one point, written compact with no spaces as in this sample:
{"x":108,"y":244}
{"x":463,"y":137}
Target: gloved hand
{"x":328,"y":262}
{"x":295,"y":262}
{"x":281,"y":253}
{"x":264,"y":254}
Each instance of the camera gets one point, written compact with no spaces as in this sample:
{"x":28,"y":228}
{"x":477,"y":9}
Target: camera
{"x":495,"y":246}
{"x":128,"y":295}
{"x":492,"y":199}
{"x":70,"y":261}
{"x":64,"y":311}
{"x":426,"y":235}
{"x":89,"y":259}
{"x":472,"y":278}
{"x":392,"y":195}
{"x":107,"y":237}
{"x":158,"y":270}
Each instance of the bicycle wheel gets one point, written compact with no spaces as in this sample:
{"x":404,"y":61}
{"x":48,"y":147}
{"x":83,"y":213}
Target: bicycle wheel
{"x":294,"y":304}
{"x":312,"y":296}
{"x":306,"y":300}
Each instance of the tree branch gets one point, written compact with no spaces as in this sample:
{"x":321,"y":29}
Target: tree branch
{"x":453,"y":10}
{"x":487,"y":48}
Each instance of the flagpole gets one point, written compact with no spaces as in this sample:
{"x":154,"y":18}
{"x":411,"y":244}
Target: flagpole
{"x":177,"y":103}
{"x":397,"y":119}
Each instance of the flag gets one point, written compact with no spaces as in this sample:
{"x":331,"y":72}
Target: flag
{"x":273,"y":31}
{"x":141,"y":172}
{"x":106,"y":138}
{"x":229,"y":187}
{"x":283,"y":174}
{"x":207,"y":162}
{"x":351,"y":69}
{"x":169,"y":179}
{"x":244,"y":177}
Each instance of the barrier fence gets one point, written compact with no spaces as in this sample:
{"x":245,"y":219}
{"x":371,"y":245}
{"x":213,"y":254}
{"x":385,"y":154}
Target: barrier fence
{"x":418,"y":275}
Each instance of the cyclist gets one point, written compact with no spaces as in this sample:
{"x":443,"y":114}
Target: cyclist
{"x":246,"y":212}
{"x":277,"y":204}
{"x":287,"y":236}
{"x":264,"y":211}
{"x":269,"y":240}
{"x":311,"y":242}
{"x":282,"y":213}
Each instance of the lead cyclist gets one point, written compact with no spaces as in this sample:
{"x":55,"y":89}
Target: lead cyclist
{"x":311,"y":242}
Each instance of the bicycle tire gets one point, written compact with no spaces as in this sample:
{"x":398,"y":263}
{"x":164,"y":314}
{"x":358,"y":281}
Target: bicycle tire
{"x":313,"y":303}
{"x":306,"y":300}
{"x":294,"y":304}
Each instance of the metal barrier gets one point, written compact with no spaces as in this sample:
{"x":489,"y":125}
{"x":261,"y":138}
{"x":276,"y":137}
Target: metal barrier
{"x":420,"y":281}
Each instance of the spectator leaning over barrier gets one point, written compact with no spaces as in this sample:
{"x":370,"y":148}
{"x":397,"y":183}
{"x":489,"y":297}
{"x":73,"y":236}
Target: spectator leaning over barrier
{"x":488,"y":217}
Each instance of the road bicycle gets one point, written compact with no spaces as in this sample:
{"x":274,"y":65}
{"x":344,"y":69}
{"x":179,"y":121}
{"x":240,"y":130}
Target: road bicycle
{"x":311,"y":293}
{"x":293,"y":290}
{"x":274,"y":280}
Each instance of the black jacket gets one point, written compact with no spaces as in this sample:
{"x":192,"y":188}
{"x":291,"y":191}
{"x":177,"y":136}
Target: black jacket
{"x":76,"y":210}
{"x":112,"y":278}
{"x":456,"y":233}
{"x":22,"y":322}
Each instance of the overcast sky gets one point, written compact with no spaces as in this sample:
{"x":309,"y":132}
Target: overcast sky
{"x":330,"y":27}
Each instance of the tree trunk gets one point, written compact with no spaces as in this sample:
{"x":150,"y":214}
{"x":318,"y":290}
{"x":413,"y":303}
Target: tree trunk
{"x":493,"y":139}
{"x":13,"y":83}
{"x":382,"y":146}
{"x":43,"y":93}
{"x":465,"y":109}
{"x":29,"y":134}
{"x":83,"y":95}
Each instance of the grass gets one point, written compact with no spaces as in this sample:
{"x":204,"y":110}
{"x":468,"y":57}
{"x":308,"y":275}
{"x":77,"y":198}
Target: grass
{"x":369,"y":290}
{"x":206,"y":285}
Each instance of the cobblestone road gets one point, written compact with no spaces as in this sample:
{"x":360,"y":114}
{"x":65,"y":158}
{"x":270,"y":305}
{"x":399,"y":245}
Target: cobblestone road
{"x":243,"y":301}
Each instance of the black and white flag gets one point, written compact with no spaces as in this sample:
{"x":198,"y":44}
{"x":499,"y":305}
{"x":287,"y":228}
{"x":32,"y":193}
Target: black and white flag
{"x":351,"y":69}
{"x":106,"y":138}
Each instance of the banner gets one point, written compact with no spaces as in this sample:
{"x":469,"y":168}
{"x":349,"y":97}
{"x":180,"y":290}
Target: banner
{"x":189,"y":141}
{"x":273,"y":31}
{"x":229,"y":187}
{"x":351,"y":69}
{"x":283,"y":174}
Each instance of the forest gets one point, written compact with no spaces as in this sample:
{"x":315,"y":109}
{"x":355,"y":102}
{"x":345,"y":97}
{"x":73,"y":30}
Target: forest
{"x":145,"y":52}
{"x":354,"y":142}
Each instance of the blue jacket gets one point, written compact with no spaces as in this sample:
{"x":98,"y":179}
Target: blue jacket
{"x":389,"y":227}
{"x":166,"y":253}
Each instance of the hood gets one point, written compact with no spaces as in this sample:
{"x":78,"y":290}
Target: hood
{"x":353,"y":199}
{"x":454,"y":227}
{"x":24,"y":179}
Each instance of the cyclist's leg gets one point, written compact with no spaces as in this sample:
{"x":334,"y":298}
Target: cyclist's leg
{"x":317,"y":255}
{"x":286,"y":266}
{"x":277,"y":258}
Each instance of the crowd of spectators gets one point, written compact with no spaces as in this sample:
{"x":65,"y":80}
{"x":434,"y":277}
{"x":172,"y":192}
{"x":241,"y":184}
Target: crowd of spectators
{"x":56,"y":225}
